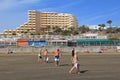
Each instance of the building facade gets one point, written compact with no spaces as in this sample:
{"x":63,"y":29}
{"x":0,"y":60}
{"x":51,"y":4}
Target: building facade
{"x":38,"y":21}
{"x":96,"y":27}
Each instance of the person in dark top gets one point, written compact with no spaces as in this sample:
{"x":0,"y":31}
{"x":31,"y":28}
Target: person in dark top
{"x":73,"y":53}
{"x":40,"y":55}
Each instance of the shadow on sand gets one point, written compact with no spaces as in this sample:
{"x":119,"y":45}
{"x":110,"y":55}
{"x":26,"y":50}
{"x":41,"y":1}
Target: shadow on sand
{"x":83,"y":71}
{"x":65,"y":65}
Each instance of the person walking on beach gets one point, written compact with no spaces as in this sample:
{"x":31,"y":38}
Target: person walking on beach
{"x":76,"y":64}
{"x":57,"y":57}
{"x":40,"y":55}
{"x":73,"y":52}
{"x":45,"y":55}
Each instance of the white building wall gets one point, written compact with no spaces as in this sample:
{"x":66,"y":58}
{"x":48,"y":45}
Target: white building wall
{"x":95,"y":27}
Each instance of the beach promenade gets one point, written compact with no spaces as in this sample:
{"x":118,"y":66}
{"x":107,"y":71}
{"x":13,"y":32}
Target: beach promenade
{"x":92,"y":67}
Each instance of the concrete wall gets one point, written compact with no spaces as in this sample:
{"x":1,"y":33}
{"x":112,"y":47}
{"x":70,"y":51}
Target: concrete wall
{"x":86,"y":49}
{"x":50,"y":49}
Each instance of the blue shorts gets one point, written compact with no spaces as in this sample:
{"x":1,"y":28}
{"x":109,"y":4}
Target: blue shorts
{"x":56,"y":58}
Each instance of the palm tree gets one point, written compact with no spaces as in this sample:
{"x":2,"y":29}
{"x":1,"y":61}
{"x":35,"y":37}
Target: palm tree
{"x":109,"y":22}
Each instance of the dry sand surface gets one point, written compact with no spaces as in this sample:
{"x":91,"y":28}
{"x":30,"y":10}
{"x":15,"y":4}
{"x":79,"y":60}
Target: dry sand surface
{"x":94,"y":66}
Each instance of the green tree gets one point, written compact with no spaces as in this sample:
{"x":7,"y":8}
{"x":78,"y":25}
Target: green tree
{"x":109,"y":30}
{"x":83,"y":29}
{"x":57,"y":30}
{"x":117,"y":29}
{"x":102,"y":26}
{"x":109,"y":22}
{"x":71,"y":28}
{"x":74,"y":30}
{"x":66,"y":32}
{"x":112,"y":30}
{"x":113,"y":38}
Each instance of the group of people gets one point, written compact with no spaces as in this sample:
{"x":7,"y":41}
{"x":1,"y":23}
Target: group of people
{"x":43,"y":56}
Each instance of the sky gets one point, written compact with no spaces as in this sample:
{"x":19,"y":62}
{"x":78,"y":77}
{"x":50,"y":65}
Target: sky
{"x":14,"y":13}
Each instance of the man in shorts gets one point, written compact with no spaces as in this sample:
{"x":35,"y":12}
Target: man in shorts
{"x":57,"y":57}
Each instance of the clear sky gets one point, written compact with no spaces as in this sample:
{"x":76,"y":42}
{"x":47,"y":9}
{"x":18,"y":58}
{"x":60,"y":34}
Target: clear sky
{"x":88,"y":12}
